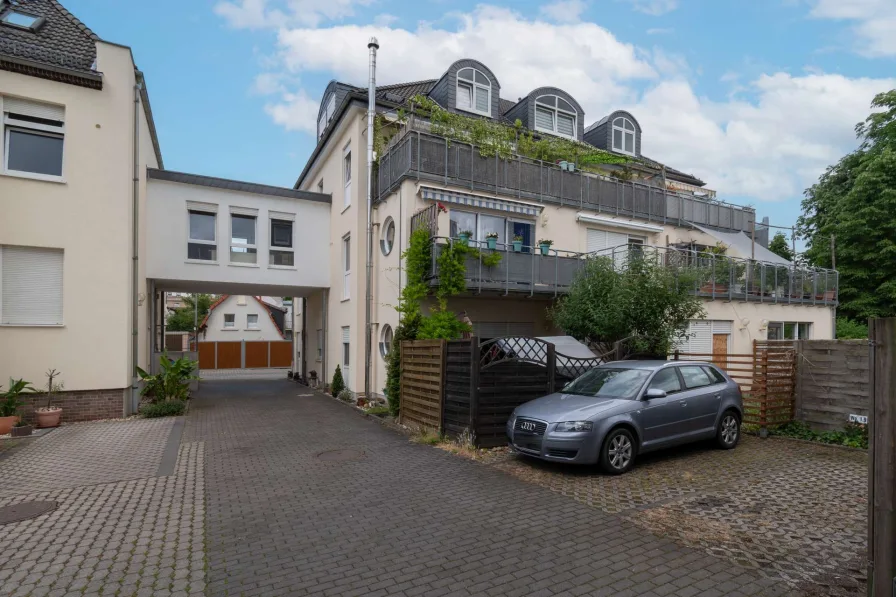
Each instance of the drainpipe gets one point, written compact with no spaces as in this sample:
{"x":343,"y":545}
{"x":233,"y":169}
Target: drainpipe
{"x":135,"y":244}
{"x":373,"y":46}
{"x":304,"y":334}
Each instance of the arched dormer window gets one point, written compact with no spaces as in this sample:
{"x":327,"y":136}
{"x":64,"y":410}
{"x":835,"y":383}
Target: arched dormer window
{"x":326,"y":114}
{"x":555,"y":115}
{"x":474,"y":91}
{"x":623,"y":135}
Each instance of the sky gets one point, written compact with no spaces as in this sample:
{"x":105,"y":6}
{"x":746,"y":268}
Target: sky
{"x":755,"y":97}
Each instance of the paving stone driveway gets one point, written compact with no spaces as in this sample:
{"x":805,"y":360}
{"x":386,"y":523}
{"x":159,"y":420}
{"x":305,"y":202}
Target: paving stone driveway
{"x":406,"y":519}
{"x":127,"y":522}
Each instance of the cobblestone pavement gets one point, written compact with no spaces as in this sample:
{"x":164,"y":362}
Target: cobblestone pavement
{"x":286,"y":518}
{"x":784,"y":508}
{"x":119,"y":529}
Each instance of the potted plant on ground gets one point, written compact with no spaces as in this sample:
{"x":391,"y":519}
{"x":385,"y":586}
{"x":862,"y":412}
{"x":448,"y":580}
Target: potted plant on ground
{"x":11,"y":402}
{"x":49,"y":415}
{"x":464,"y":236}
{"x":545,"y":245}
{"x":22,"y":429}
{"x":517,"y":244}
{"x":491,"y":240}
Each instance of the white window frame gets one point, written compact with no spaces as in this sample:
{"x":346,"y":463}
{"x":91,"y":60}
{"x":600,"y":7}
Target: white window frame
{"x":208,"y":211}
{"x":621,"y":127}
{"x":249,"y":325}
{"x":232,"y":325}
{"x":346,"y":346}
{"x":556,"y":110}
{"x":508,"y":224}
{"x":796,"y":328}
{"x":9,"y":123}
{"x":247,"y":246}
{"x":282,"y":217}
{"x":385,"y":246}
{"x":347,"y":176}
{"x":386,"y":347}
{"x":327,"y":115}
{"x":473,"y":85}
{"x":346,"y":267}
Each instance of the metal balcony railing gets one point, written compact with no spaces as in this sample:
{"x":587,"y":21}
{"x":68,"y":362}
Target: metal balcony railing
{"x":716,"y":277}
{"x":423,"y":156}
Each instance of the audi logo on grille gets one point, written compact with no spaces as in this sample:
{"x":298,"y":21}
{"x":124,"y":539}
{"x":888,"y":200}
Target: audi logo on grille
{"x":527,"y":426}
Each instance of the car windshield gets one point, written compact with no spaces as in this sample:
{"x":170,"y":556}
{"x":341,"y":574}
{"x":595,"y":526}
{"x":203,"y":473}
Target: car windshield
{"x":610,"y":382}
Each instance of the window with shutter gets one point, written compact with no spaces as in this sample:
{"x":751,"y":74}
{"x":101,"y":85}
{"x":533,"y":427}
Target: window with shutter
{"x":474,"y":92}
{"x":33,"y":138}
{"x":30,"y":286}
{"x":553,"y":114}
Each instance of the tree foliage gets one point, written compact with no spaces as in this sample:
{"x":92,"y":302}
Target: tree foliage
{"x":183,"y":317}
{"x":851,"y":330}
{"x":855,"y":200}
{"x":779,"y":246}
{"x":338,"y":383}
{"x":646,"y":303}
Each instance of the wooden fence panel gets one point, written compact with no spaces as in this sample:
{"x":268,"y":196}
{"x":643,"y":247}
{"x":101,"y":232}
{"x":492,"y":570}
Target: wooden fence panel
{"x":230,"y":355}
{"x":771,"y":399}
{"x":422,"y":381}
{"x":207,"y":355}
{"x":832,"y":382}
{"x":256,"y":354}
{"x":459,"y":358}
{"x":502,"y":387}
{"x":281,"y":354}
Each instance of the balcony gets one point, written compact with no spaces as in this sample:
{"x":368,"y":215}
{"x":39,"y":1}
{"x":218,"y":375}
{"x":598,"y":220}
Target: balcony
{"x":419,"y":155}
{"x":714,"y":277}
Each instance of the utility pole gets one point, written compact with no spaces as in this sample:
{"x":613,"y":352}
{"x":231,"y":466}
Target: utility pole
{"x":833,"y":252}
{"x":196,"y":320}
{"x":793,"y":242}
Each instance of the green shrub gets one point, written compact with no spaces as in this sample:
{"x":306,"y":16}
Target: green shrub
{"x":848,"y":329}
{"x":378,"y":411}
{"x":338,"y":383}
{"x":346,"y":396}
{"x":852,"y":436}
{"x":165,"y":408}
{"x":171,"y":383}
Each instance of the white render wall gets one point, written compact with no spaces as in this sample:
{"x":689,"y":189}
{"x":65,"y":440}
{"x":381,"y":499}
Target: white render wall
{"x":167,"y":230}
{"x":88,"y":215}
{"x":240,"y":307}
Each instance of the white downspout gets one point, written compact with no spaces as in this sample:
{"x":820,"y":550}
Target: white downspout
{"x":131,"y":407}
{"x":373,"y":46}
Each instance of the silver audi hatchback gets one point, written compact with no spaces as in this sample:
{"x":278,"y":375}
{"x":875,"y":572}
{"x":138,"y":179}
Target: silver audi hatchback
{"x":619,"y":410}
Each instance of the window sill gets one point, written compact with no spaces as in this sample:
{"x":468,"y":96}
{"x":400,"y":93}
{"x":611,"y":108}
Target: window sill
{"x":229,"y":330}
{"x":292,"y":267}
{"x":252,"y":330}
{"x":345,"y":209}
{"x":242,"y":264}
{"x":345,"y":300}
{"x":33,"y":176}
{"x":201,"y":262}
{"x":32,"y":325}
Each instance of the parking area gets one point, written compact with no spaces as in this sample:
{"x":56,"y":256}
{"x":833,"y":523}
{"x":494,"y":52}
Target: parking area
{"x":784,"y":508}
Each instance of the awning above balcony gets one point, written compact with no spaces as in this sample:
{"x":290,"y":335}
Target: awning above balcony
{"x":742,"y":244}
{"x":480,"y":201}
{"x":610,"y":222}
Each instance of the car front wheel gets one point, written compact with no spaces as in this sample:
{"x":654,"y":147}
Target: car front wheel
{"x":728,"y":433}
{"x":618,"y":452}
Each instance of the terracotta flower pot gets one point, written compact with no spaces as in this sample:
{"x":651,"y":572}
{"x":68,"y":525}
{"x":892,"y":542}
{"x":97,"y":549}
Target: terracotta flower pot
{"x":48,"y":417}
{"x":6,"y":424}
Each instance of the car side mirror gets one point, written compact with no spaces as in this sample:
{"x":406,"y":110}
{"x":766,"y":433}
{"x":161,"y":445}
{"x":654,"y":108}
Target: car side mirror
{"x":654,"y":393}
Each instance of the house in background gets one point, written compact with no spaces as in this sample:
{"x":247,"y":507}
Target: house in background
{"x":239,"y":317}
{"x":425,"y":180}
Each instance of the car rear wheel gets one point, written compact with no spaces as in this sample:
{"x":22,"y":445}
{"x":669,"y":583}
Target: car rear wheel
{"x":618,"y":452}
{"x":728,"y":433}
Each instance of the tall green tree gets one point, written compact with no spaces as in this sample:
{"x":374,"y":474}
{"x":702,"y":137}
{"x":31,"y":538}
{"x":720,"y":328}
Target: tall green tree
{"x":183,"y":317}
{"x":647,"y":304}
{"x":855,"y":201}
{"x":779,"y":246}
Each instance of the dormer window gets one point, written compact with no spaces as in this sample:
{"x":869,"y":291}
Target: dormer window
{"x":474,"y":92}
{"x":326,"y":115}
{"x":623,"y":135}
{"x":20,"y":19}
{"x":555,"y":115}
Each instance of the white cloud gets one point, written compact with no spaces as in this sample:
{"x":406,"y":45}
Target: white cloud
{"x":768,"y":142}
{"x":875,"y":22}
{"x":268,"y":84}
{"x":564,"y":11}
{"x":262,"y":14}
{"x":659,"y":31}
{"x":654,"y":7}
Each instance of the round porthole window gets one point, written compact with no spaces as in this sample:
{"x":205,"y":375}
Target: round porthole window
{"x":387,"y":240}
{"x":386,"y":340}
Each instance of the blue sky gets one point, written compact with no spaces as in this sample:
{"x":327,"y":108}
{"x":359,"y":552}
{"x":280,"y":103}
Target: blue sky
{"x":756,"y":97}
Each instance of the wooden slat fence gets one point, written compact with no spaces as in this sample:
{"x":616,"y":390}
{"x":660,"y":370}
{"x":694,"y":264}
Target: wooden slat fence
{"x":459,"y":386}
{"x":422,"y":382}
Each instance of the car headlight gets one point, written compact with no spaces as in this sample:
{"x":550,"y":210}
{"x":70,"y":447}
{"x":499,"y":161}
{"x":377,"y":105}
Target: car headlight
{"x":574,"y":426}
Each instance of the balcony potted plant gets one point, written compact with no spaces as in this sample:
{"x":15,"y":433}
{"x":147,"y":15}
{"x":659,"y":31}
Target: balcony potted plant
{"x":517,"y":243}
{"x":11,"y":402}
{"x":491,"y":240}
{"x":464,"y":236}
{"x":545,"y":245}
{"x":49,"y":415}
{"x":717,"y":274}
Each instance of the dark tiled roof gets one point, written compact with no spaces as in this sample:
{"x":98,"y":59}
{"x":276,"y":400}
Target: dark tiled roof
{"x":506,"y":105}
{"x":62,"y":45}
{"x":234,"y":185}
{"x":405,"y":91}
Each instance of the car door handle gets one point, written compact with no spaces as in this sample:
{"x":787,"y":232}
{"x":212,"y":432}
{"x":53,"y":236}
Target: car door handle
{"x":718,"y":396}
{"x":683,"y":403}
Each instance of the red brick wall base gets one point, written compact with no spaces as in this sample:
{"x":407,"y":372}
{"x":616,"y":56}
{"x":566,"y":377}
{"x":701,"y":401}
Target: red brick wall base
{"x":84,"y":405}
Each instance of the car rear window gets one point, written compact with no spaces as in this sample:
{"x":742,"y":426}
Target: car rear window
{"x":695,"y":377}
{"x":715,"y":375}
